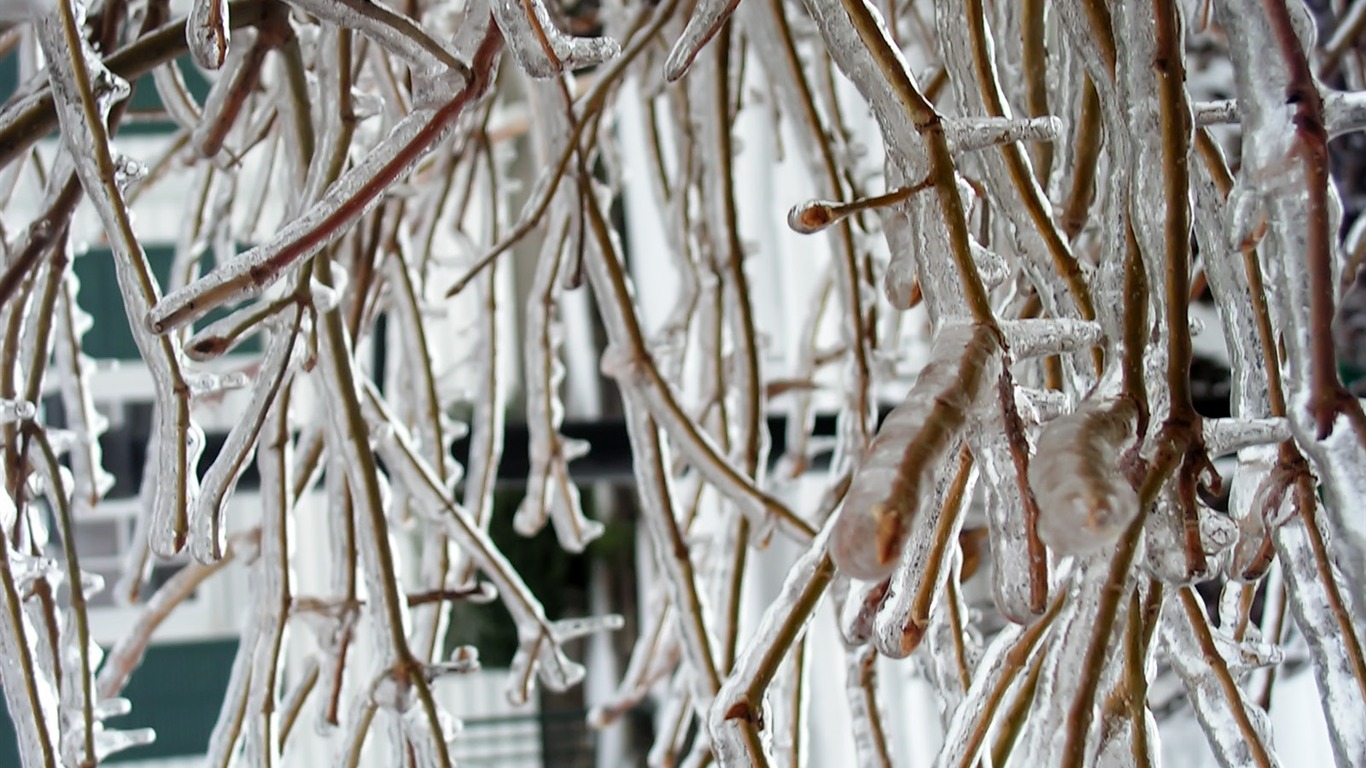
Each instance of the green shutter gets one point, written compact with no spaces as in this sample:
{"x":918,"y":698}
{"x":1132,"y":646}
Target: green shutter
{"x":176,"y":691}
{"x":145,"y":97}
{"x":110,"y":337}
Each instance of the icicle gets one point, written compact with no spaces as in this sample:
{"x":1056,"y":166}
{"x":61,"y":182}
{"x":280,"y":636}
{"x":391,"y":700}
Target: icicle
{"x":550,"y":489}
{"x":88,"y":424}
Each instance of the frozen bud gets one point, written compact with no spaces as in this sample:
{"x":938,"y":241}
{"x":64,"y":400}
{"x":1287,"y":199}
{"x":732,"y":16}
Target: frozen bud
{"x":897,"y":478}
{"x":16,"y":410}
{"x":813,"y":216}
{"x":1085,"y":502}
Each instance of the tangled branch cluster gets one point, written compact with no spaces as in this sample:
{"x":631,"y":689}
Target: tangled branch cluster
{"x":1054,"y":193}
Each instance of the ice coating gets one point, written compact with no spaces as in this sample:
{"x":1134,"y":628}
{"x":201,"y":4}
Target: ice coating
{"x":1006,"y":526}
{"x":1278,"y":181}
{"x":355,"y":193}
{"x":691,"y":604}
{"x":239,"y":74}
{"x":540,"y":48}
{"x":951,"y":647}
{"x":26,"y":689}
{"x":766,"y":25}
{"x":207,"y":32}
{"x":1038,"y":124}
{"x":175,"y":96}
{"x":997,"y":670}
{"x":1011,"y":179}
{"x":861,"y":602}
{"x":732,"y":708}
{"x":1312,"y":588}
{"x":861,"y":690}
{"x":13,"y":411}
{"x":1066,"y":667}
{"x":631,"y":366}
{"x":702,"y":26}
{"x":1035,"y":338}
{"x":1237,"y":729}
{"x":1083,"y":505}
{"x":396,"y":32}
{"x":1179,"y":550}
{"x":539,"y":648}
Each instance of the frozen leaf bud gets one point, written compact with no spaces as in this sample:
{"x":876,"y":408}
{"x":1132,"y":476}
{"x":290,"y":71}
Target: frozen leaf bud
{"x":813,"y":216}
{"x":1085,"y":502}
{"x":918,"y":436}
